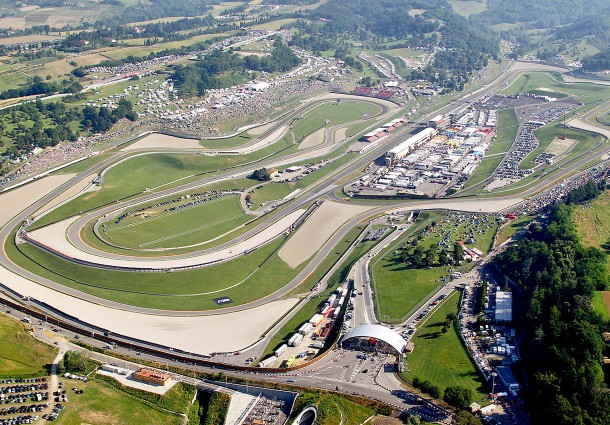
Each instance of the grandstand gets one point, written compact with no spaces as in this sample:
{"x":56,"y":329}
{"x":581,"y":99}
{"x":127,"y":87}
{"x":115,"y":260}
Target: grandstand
{"x":363,"y":91}
{"x":385,"y":94}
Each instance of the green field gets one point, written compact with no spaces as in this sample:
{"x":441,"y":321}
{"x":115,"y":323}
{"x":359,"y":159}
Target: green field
{"x":440,"y":357}
{"x":604,"y":118}
{"x":244,"y":279}
{"x":516,"y":86}
{"x":401,"y":288}
{"x":594,"y":223}
{"x":323,"y":115}
{"x":102,"y":404}
{"x":599,"y":304}
{"x":545,"y":135}
{"x":331,"y":114}
{"x":153,"y":172}
{"x":192,"y":225}
{"x":585,"y":92}
{"x":470,"y":7}
{"x":508,"y":126}
{"x":22,"y":355}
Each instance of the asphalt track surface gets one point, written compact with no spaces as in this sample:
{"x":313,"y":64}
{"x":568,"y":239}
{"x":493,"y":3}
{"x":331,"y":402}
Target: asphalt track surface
{"x":391,"y":392}
{"x":319,"y":190}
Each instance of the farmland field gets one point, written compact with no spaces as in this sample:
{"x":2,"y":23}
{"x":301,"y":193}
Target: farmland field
{"x":469,"y":7}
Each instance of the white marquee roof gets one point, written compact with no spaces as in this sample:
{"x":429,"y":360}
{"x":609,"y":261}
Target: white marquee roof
{"x":382,"y":333}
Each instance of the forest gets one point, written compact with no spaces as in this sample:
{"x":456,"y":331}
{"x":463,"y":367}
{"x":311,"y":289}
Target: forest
{"x":562,"y":346}
{"x":597,"y":62}
{"x":40,"y":87}
{"x":539,"y":13}
{"x":196,"y":78}
{"x":463,"y":48}
{"x":53,"y":122}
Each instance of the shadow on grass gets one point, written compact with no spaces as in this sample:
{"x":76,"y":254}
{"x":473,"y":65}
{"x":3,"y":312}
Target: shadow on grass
{"x":431,"y":335}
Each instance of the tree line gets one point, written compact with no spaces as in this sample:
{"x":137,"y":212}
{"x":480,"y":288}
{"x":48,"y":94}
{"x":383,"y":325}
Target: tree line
{"x":562,"y":347}
{"x":40,"y":87}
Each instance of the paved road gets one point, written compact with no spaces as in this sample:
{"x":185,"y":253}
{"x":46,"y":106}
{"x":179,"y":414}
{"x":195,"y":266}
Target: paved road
{"x":319,"y":190}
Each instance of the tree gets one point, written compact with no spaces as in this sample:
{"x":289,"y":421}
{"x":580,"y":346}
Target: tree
{"x":458,"y":253}
{"x":458,"y":396}
{"x":75,"y":361}
{"x":466,"y":418}
{"x":261,"y":175}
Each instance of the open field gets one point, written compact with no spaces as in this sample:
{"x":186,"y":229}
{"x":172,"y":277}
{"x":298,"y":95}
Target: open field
{"x":470,"y":7}
{"x":145,"y":50}
{"x":90,"y":238}
{"x":55,"y":16}
{"x":515,"y":86}
{"x":273,"y":25}
{"x":28,"y":38}
{"x":21,"y":354}
{"x":159,"y":228}
{"x":400,"y":287}
{"x":601,"y":304}
{"x":441,"y":358}
{"x":101,"y":404}
{"x":585,"y":92}
{"x":331,"y":114}
{"x":594,"y":223}
{"x":508,"y":126}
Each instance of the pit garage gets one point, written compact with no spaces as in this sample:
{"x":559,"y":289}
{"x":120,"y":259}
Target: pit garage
{"x":374,"y":338}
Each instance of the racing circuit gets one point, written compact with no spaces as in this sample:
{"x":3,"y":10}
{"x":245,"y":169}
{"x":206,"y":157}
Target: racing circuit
{"x":288,"y":239}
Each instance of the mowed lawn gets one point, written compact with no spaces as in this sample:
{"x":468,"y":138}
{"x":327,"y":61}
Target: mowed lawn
{"x":440,"y":357}
{"x":585,"y":92}
{"x":183,"y":227}
{"x":332,"y":113}
{"x":21,"y":355}
{"x":101,"y":404}
{"x":155,"y":172}
{"x":244,"y":279}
